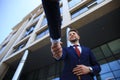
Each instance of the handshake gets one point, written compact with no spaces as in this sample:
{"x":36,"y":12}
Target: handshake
{"x":56,"y":50}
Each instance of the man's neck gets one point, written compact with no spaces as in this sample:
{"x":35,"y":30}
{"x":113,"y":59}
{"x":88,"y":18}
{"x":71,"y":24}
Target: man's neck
{"x":76,"y":43}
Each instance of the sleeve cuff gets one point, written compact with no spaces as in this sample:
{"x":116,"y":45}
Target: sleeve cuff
{"x":55,"y":40}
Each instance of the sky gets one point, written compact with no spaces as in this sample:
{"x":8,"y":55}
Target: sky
{"x":12,"y":12}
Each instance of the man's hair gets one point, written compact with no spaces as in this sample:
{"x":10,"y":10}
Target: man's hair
{"x":74,"y":31}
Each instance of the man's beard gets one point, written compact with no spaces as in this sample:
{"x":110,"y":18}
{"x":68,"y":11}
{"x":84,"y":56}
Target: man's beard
{"x":74,"y":40}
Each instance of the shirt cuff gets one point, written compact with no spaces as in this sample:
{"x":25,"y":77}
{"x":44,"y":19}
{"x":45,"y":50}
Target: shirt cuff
{"x":55,"y":40}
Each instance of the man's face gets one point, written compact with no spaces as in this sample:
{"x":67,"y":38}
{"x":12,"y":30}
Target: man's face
{"x":73,"y":36}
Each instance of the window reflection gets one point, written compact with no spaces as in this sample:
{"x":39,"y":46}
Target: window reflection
{"x":99,"y":1}
{"x":98,"y":53}
{"x":40,"y":35}
{"x":38,"y":17}
{"x":84,"y":8}
{"x":44,"y":22}
{"x":117,"y":74}
{"x":106,"y":50}
{"x":114,"y":65}
{"x":107,"y":76}
{"x":73,"y":2}
{"x":78,"y":12}
{"x":115,"y":46}
{"x":2,"y":48}
{"x":29,"y":30}
{"x":105,"y":68}
{"x":19,"y":47}
{"x":110,"y":63}
{"x":56,"y":79}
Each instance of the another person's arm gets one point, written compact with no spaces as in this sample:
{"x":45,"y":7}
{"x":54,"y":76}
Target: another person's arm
{"x":52,"y":12}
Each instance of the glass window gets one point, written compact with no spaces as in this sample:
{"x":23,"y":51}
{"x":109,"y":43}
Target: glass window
{"x":115,"y":46}
{"x":98,"y":54}
{"x":29,"y":30}
{"x":40,"y":35}
{"x":99,"y":1}
{"x":119,"y":61}
{"x":78,"y":12}
{"x":117,"y":73}
{"x":118,"y":79}
{"x":104,"y":68}
{"x":56,"y":79}
{"x":106,"y":50}
{"x":73,"y":3}
{"x":114,"y":65}
{"x":38,"y":17}
{"x":2,"y":48}
{"x":107,"y":76}
{"x":20,"y":46}
{"x":44,"y":22}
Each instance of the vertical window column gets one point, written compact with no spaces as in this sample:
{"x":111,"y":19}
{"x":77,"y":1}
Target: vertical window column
{"x":66,"y":13}
{"x":20,"y":66}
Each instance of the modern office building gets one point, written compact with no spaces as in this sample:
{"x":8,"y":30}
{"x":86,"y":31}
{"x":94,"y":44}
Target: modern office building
{"x":25,"y":54}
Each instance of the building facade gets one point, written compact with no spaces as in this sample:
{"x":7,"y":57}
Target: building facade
{"x":25,"y":54}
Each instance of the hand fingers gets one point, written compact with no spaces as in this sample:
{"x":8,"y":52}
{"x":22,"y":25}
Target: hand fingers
{"x":78,"y":72}
{"x":56,"y":49}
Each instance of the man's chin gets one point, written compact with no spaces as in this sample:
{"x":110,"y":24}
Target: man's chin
{"x":72,"y":41}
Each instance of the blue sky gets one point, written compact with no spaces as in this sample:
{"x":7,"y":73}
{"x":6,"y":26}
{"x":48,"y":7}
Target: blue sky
{"x":12,"y":12}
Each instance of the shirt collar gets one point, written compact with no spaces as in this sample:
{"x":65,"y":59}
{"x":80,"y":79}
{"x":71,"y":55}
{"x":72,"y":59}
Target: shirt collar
{"x":74,"y":44}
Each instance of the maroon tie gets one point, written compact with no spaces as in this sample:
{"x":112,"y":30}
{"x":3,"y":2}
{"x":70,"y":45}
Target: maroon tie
{"x":77,"y":50}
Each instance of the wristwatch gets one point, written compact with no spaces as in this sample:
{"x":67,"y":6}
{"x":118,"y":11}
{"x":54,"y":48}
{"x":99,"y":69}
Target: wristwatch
{"x":91,"y":69}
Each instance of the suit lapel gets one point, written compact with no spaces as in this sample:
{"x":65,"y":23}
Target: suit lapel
{"x":72,"y":51}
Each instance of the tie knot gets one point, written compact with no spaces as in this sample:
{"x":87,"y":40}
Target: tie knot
{"x":75,"y":45}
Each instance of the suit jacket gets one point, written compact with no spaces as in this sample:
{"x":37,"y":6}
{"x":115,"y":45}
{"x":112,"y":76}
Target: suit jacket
{"x":52,"y":11}
{"x":71,"y":59}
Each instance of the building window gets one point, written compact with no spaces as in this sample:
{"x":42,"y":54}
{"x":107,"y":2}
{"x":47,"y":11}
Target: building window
{"x":115,"y":46}
{"x":44,"y":73}
{"x":83,"y":7}
{"x":108,"y":55}
{"x":73,"y":3}
{"x":97,"y":52}
{"x":41,"y":34}
{"x":29,"y":30}
{"x":106,"y":51}
{"x":19,"y":47}
{"x":37,"y":17}
{"x":44,"y":22}
{"x":78,"y":12}
{"x":2,"y":48}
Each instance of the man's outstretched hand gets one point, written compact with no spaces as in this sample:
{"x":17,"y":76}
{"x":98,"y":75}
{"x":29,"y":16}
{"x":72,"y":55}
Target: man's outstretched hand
{"x":56,"y":50}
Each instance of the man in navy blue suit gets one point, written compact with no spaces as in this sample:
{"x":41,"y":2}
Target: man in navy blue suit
{"x":76,"y":67}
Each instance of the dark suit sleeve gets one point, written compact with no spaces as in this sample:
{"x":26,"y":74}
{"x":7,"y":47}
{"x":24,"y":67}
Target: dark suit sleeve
{"x":64,"y":54}
{"x":94,"y":64}
{"x":52,"y":11}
